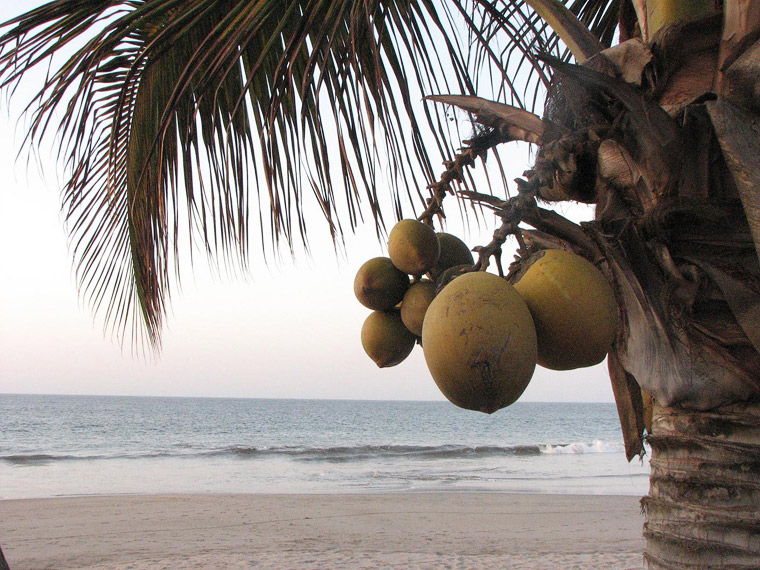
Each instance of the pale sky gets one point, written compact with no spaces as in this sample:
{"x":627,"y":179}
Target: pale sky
{"x":287,"y":331}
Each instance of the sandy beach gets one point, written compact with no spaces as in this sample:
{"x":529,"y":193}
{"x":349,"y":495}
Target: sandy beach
{"x":425,"y":530}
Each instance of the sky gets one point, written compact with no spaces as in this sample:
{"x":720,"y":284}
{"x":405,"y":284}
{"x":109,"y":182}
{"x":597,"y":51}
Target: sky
{"x":284,"y":330}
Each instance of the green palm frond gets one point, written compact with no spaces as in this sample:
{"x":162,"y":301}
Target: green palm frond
{"x":216,"y":111}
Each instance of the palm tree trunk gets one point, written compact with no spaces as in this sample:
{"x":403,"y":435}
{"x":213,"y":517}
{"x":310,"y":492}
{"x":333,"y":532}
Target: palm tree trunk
{"x":703,"y":508}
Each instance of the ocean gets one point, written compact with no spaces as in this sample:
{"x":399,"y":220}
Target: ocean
{"x":53,"y":446}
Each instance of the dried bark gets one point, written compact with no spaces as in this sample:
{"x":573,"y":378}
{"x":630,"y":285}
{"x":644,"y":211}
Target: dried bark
{"x":741,"y":27}
{"x":739,"y":135}
{"x":630,"y":407}
{"x":740,"y":83}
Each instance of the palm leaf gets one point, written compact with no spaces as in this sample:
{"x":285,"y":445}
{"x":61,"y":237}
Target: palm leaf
{"x":578,"y":38}
{"x":599,"y":16}
{"x":207,"y":110}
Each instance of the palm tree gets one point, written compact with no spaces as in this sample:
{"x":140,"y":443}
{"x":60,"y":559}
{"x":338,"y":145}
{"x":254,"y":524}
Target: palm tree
{"x":660,"y":131}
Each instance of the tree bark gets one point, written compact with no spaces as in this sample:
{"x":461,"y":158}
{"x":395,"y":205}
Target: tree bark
{"x":703,"y":507}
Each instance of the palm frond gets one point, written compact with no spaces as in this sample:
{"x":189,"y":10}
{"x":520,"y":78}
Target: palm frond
{"x":210,"y":111}
{"x":578,"y":38}
{"x":511,"y":122}
{"x":599,"y":16}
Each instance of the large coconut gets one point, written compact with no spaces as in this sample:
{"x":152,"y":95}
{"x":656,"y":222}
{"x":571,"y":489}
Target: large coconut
{"x":415,"y":305}
{"x":453,"y":252}
{"x":385,"y":339}
{"x":413,"y":247}
{"x":573,"y":307}
{"x":479,"y":342}
{"x":379,"y":284}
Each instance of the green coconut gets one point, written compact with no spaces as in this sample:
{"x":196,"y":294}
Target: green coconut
{"x":479,"y":342}
{"x":379,"y":285}
{"x":573,"y":307}
{"x":453,"y":252}
{"x":413,"y":247}
{"x":415,"y":304}
{"x":385,"y":339}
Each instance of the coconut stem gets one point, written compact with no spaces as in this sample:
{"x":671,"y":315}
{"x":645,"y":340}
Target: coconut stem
{"x":477,"y":147}
{"x":513,"y":211}
{"x":519,"y":209}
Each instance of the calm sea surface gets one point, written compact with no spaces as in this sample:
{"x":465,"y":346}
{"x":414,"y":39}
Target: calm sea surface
{"x":79,"y":445}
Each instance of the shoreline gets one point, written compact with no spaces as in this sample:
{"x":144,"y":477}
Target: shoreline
{"x":326,"y":493}
{"x":416,"y":530}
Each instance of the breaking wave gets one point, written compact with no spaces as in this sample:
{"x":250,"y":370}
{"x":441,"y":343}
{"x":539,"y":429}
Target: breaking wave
{"x":336,"y":453}
{"x":597,"y":446}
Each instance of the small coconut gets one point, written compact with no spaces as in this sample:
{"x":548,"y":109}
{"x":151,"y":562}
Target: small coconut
{"x":453,"y":252}
{"x":413,"y":247}
{"x":479,"y":342}
{"x":379,"y":284}
{"x":573,"y":307}
{"x":385,"y":338}
{"x":415,"y":304}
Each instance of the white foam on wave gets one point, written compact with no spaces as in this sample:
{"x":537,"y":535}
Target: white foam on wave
{"x":597,"y":446}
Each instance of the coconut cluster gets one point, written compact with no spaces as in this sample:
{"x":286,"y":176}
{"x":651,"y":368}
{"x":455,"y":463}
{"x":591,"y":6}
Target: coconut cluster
{"x":399,"y":288}
{"x":481,"y":335}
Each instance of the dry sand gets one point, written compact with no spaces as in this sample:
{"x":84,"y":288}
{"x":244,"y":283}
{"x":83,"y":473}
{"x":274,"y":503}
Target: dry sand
{"x":409,"y":531}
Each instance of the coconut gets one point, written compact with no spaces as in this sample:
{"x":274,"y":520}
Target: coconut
{"x":573,"y":307}
{"x":379,"y":284}
{"x":479,"y":342}
{"x":413,"y":247}
{"x":453,"y":252}
{"x":385,"y":338}
{"x":416,"y":301}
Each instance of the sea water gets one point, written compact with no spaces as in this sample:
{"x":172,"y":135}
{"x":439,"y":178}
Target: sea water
{"x":80,"y":445}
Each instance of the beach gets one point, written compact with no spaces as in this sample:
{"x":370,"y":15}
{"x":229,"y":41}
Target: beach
{"x":191,"y":483}
{"x":381,"y":530}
